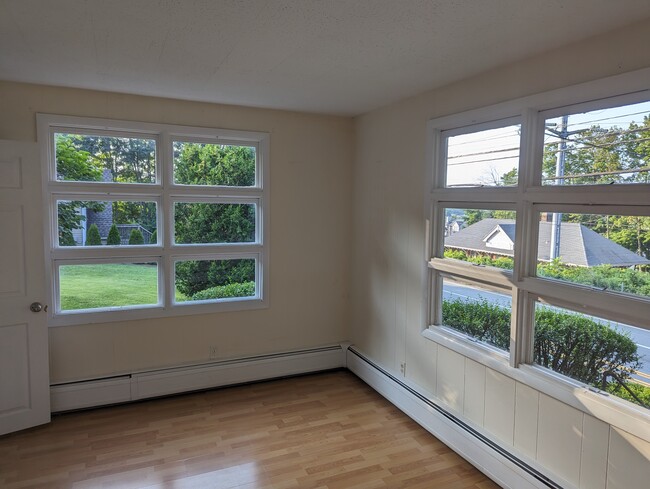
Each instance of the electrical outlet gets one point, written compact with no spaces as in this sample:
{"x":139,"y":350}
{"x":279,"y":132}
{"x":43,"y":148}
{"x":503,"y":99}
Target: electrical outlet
{"x":212,"y":352}
{"x":402,"y":368}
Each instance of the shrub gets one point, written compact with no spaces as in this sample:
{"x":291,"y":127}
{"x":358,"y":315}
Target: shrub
{"x":154,"y":237}
{"x":113,"y":238}
{"x":92,"y":236}
{"x":481,"y":320}
{"x":570,"y":344}
{"x":245,"y":289}
{"x":194,"y":276}
{"x":136,"y":238}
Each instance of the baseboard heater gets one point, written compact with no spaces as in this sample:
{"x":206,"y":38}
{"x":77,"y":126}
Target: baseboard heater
{"x":489,"y":457}
{"x":167,"y":381}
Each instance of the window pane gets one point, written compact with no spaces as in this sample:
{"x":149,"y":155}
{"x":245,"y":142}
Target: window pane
{"x":107,"y":159}
{"x":605,"y":354}
{"x":598,"y":147}
{"x":203,"y":223}
{"x":484,"y":158}
{"x":95,"y":223}
{"x":480,"y":313}
{"x":201,"y":280}
{"x":214,"y":164}
{"x":603,"y":251}
{"x":482,"y":237}
{"x":104,"y":286}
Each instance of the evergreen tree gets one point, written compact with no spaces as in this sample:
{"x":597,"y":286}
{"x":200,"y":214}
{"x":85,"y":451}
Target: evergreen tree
{"x":113,"y":236}
{"x":92,"y":236}
{"x":136,"y":238}
{"x":154,"y":237}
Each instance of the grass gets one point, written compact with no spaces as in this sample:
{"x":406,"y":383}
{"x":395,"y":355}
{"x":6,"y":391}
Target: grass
{"x":108,"y":285}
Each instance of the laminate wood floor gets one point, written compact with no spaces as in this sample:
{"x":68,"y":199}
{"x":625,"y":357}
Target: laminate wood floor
{"x":327,"y":430}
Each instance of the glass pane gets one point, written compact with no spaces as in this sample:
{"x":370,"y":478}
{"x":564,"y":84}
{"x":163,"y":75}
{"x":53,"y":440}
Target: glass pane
{"x":204,"y":280}
{"x":611,"y":356}
{"x":196,"y":223}
{"x":480,"y":313}
{"x":103,"y":286}
{"x":604,"y":251}
{"x":482,"y":237}
{"x":107,"y":159}
{"x":598,"y":147}
{"x":484,"y":158}
{"x":95,"y":223}
{"x":214,"y":164}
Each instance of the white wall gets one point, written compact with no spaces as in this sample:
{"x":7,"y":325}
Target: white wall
{"x":311,"y":172}
{"x":389,"y":266}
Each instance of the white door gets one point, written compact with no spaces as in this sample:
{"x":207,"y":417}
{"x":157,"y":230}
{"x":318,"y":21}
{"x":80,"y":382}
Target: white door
{"x":24,"y":368}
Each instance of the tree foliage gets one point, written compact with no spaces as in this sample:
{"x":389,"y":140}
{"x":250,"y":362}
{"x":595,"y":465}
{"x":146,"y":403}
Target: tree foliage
{"x":209,"y":164}
{"x":76,"y":165}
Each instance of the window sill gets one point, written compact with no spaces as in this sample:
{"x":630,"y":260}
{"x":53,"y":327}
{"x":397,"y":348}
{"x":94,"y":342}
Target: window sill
{"x":155,"y":312}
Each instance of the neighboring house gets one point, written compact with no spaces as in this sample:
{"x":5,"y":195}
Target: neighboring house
{"x":579,"y":245}
{"x":454,"y":226}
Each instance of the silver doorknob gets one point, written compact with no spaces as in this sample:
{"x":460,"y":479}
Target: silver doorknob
{"x":37,"y":307}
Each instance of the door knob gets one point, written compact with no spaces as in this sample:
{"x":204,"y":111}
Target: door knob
{"x":37,"y":307}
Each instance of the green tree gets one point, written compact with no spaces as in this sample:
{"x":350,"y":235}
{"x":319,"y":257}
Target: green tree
{"x":73,"y":164}
{"x":154,"y":237}
{"x":211,"y":164}
{"x":92,"y":236}
{"x":113,"y":238}
{"x":136,"y":238}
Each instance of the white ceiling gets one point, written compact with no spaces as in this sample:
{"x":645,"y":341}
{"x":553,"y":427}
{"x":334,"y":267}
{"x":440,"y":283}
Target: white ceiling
{"x":327,"y":56}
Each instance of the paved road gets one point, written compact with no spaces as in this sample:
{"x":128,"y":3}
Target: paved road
{"x":640,"y":336}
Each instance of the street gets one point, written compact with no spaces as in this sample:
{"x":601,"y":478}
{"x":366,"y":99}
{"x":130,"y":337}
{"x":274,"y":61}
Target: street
{"x":640,"y":336}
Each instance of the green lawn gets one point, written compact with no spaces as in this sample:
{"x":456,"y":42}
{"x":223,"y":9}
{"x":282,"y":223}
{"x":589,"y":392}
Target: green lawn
{"x":108,"y":285}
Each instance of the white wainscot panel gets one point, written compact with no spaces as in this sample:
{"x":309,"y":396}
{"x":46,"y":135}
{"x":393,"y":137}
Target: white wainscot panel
{"x":500,"y":405}
{"x":474,"y":405}
{"x":595,"y":442}
{"x":629,"y":461}
{"x":526,"y":412}
{"x":450,"y":375}
{"x":559,"y":439}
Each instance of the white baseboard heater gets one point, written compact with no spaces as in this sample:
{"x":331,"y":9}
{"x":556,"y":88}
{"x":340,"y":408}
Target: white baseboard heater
{"x":490,"y":458}
{"x":163,"y":382}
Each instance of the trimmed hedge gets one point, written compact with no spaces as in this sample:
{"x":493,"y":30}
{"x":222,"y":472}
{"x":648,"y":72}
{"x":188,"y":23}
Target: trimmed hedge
{"x":570,"y":344}
{"x":245,"y":289}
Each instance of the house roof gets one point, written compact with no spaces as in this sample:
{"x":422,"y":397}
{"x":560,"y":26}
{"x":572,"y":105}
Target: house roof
{"x":579,"y":245}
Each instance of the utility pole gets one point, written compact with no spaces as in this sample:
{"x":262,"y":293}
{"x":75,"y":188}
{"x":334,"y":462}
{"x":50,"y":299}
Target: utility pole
{"x":556,"y":225}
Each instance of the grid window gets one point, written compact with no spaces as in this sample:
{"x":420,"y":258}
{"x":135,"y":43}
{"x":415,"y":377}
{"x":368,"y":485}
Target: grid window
{"x":528,"y":260}
{"x":151,"y":220}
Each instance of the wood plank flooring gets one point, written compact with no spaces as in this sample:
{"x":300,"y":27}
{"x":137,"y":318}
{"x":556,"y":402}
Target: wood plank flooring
{"x":322,"y":431}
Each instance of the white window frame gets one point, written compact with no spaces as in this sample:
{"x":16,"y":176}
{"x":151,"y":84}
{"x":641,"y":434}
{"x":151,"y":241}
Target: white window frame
{"x":527,"y":199}
{"x":165,"y":193}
